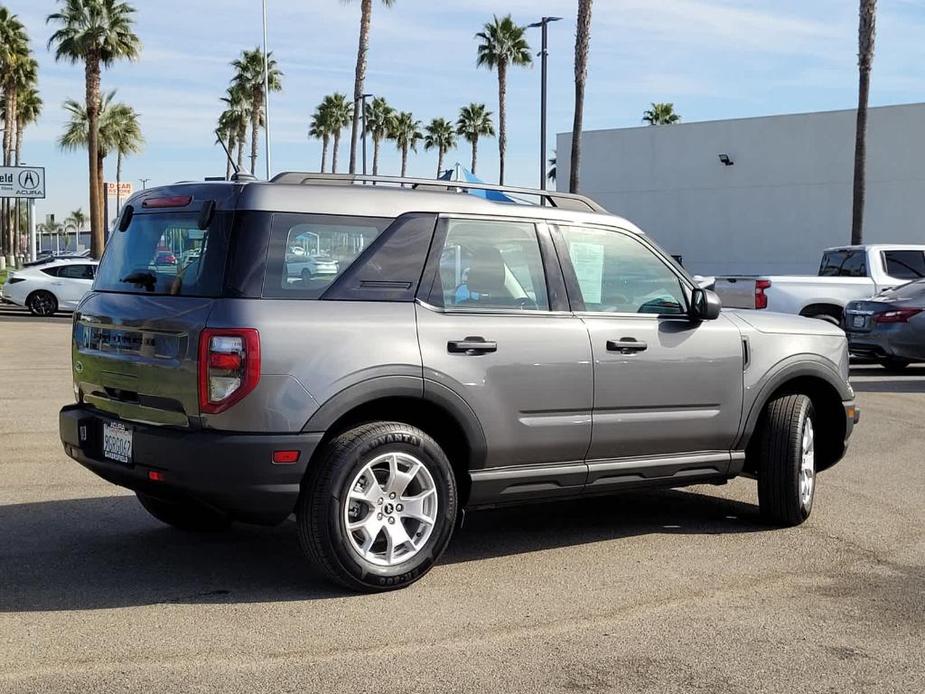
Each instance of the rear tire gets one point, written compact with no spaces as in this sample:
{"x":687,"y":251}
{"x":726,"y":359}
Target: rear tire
{"x":786,"y":463}
{"x":42,"y":303}
{"x":394,"y":487}
{"x":183,"y":515}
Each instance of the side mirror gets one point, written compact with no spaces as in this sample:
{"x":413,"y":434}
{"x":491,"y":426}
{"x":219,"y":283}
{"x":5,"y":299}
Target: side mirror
{"x":705,"y":304}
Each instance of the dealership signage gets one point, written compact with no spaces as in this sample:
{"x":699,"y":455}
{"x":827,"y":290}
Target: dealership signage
{"x":124,"y":189}
{"x":22,"y":182}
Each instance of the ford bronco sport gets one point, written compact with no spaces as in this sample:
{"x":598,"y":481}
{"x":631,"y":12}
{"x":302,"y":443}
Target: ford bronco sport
{"x":447,"y":351}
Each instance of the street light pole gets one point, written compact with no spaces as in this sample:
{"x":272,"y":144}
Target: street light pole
{"x":362,"y":104}
{"x":144,"y":183}
{"x":543,"y":25}
{"x":266,"y":88}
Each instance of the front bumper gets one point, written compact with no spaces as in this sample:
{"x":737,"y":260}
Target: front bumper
{"x":233,"y":473}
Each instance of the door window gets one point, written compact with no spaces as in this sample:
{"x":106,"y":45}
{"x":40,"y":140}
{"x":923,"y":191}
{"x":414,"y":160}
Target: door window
{"x":76,"y":272}
{"x":844,"y":263}
{"x":488,"y":265}
{"x":618,"y":274}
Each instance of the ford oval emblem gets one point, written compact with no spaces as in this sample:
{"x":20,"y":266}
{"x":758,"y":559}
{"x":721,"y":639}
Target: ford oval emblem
{"x":79,"y":367}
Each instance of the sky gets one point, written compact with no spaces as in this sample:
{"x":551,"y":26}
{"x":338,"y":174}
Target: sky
{"x":713,"y":59}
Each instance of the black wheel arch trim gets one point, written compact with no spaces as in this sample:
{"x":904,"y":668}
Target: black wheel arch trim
{"x":382,"y":387}
{"x":796,"y":366}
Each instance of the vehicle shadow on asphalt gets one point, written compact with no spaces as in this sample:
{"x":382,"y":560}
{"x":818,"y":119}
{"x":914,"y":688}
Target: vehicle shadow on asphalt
{"x":106,"y":552}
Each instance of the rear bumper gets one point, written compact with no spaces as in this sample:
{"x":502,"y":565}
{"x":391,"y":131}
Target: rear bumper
{"x":231,"y":472}
{"x":885,"y":344}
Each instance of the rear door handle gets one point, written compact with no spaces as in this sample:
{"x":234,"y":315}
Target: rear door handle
{"x":471,"y":346}
{"x":626,"y":345}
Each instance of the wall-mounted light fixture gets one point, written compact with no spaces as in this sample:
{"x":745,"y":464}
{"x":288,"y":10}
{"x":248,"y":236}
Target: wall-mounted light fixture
{"x":725,"y":159}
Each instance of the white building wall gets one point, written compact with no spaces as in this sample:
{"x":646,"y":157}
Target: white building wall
{"x":787,"y":196}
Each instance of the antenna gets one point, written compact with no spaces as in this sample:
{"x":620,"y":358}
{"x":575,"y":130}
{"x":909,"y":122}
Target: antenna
{"x":227,"y":153}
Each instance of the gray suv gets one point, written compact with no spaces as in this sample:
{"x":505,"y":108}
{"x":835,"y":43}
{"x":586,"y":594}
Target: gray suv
{"x":376,"y":358}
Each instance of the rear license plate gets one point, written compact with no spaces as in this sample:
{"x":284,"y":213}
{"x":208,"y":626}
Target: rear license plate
{"x":858,"y":321}
{"x":117,"y":442}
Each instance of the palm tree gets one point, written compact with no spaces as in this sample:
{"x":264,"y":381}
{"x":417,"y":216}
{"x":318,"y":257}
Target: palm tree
{"x":551,"y":172}
{"x":440,"y":135}
{"x":582,"y":43}
{"x":503,"y":43}
{"x":660,"y":114}
{"x":320,"y":128}
{"x":97,"y":33}
{"x":233,"y":123}
{"x":28,"y":109}
{"x":77,"y":218}
{"x":249,"y":79}
{"x":406,"y":132}
{"x":474,"y":122}
{"x":867,"y":29}
{"x":77,"y":132}
{"x":366,"y":17}
{"x":124,"y":134}
{"x":17,"y":72}
{"x":379,"y":118}
{"x":338,"y":112}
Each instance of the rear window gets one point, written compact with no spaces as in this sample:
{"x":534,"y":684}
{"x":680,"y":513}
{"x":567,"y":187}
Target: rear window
{"x":844,"y":263}
{"x":904,"y":265}
{"x":166,"y":253}
{"x":308,"y":252}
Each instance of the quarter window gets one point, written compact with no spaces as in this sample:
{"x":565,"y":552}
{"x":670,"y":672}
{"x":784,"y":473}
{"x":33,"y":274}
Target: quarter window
{"x":488,"y":265}
{"x":76,"y":272}
{"x":905,"y":265}
{"x":618,"y":274}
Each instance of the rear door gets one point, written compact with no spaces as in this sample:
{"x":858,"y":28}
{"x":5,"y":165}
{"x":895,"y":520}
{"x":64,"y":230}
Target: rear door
{"x":667,"y":390}
{"x":494,"y":328}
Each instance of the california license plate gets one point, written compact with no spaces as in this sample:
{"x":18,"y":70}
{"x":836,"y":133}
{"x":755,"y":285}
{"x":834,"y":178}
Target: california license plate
{"x":858,"y":321}
{"x":117,"y":442}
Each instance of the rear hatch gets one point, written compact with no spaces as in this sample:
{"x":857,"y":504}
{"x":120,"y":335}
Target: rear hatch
{"x":136,"y":335}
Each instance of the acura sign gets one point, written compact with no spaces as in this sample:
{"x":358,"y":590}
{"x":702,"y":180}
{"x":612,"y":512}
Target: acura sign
{"x":22,"y":182}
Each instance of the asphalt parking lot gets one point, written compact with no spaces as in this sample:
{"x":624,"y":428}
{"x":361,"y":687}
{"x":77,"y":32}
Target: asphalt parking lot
{"x":675,"y":591}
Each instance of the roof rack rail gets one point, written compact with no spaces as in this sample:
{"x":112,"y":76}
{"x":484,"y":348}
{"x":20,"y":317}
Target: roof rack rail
{"x":553,"y":198}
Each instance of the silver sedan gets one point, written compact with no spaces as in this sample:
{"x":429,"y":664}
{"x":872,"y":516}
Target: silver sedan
{"x":890,"y":327}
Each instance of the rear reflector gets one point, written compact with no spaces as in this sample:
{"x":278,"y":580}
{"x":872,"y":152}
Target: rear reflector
{"x":285,"y":457}
{"x":172,"y":201}
{"x":155,"y":476}
{"x":900,"y":315}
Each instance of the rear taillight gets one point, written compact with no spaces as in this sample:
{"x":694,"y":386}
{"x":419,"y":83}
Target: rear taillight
{"x":761,"y":299}
{"x":229,"y":367}
{"x":900,"y":315}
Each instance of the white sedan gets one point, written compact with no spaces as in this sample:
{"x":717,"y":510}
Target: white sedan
{"x":44,"y":289}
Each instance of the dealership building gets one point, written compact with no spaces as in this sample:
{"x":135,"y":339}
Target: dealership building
{"x":759,"y":195}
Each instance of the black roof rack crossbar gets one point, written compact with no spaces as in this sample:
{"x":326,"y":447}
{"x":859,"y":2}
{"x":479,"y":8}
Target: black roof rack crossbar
{"x":553,"y":198}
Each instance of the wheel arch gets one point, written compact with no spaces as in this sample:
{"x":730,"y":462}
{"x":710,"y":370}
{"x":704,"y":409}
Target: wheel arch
{"x":436,"y":410}
{"x":823,"y":308}
{"x":828,"y":394}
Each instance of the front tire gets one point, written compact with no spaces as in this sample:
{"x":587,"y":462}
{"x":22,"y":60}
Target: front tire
{"x":42,"y":303}
{"x":183,"y":515}
{"x":786,"y":464}
{"x":378,"y":510}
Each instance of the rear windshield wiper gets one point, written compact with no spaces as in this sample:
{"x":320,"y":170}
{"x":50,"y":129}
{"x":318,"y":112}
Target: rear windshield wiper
{"x":143,"y":278}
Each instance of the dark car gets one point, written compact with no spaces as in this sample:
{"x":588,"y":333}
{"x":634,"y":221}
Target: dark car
{"x":890,"y":327}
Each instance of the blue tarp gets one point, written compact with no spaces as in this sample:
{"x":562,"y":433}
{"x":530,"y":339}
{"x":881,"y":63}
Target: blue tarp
{"x":463,"y":175}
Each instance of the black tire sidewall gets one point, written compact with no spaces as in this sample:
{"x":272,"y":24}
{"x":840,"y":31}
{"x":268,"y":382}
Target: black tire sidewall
{"x":42,"y":293}
{"x":346,"y":463}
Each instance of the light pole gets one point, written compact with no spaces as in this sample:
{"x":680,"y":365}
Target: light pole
{"x":144,"y":183}
{"x":266,"y":88}
{"x":543,"y":25}
{"x":362,"y":104}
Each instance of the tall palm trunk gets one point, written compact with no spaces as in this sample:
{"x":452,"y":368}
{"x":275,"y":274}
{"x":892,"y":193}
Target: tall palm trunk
{"x":255,"y":128}
{"x":582,"y":42}
{"x":440,"y":154}
{"x":228,"y":168}
{"x":324,"y":152}
{"x":242,"y":136}
{"x":475,"y":153}
{"x":17,"y":223}
{"x":366,"y":15}
{"x":6,"y":217}
{"x":102,"y":188}
{"x":334,"y":153}
{"x":404,"y":160}
{"x":118,"y":182}
{"x":376,"y":143}
{"x":92,"y":71}
{"x":502,"y":118}
{"x":867,"y":18}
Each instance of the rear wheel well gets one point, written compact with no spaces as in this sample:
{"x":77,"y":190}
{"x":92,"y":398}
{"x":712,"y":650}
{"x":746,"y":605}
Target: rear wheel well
{"x":829,"y":421}
{"x":428,"y":416}
{"x":818,"y":310}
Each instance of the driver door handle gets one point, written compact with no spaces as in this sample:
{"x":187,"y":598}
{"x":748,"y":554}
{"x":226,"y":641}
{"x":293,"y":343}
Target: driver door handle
{"x":471,"y":346}
{"x":626,"y":345}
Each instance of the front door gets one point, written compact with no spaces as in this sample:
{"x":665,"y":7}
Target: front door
{"x":667,"y":388}
{"x":490,"y":331}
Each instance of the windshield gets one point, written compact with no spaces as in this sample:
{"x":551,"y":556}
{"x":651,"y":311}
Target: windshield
{"x":165,"y":253}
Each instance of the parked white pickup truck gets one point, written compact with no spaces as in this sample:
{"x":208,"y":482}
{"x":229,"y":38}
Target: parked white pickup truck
{"x":845,"y":274}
